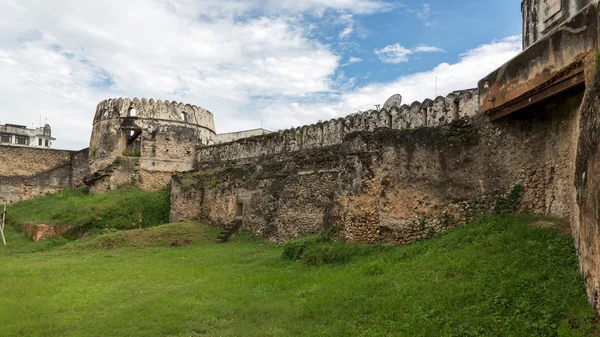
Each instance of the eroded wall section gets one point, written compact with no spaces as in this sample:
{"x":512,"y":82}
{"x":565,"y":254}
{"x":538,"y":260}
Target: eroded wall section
{"x":586,"y":215}
{"x":151,"y":138}
{"x":384,"y":184}
{"x":31,"y":172}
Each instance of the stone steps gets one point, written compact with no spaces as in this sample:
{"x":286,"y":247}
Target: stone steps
{"x":229,"y":231}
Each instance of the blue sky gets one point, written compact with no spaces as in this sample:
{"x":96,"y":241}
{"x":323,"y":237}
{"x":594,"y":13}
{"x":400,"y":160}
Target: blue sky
{"x":285,"y":62}
{"x":454,"y":27}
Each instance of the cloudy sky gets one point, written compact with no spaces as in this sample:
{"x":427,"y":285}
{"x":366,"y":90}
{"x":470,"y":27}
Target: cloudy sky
{"x":287,"y":62}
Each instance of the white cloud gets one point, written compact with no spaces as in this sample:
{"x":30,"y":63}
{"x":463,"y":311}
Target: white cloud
{"x":473,"y":66}
{"x":396,"y":53}
{"x":351,"y":60}
{"x":426,"y":49}
{"x":348,"y":21}
{"x":218,"y":55}
{"x":344,"y":34}
{"x":424,"y":13}
{"x":219,"y":62}
{"x":354,"y":6}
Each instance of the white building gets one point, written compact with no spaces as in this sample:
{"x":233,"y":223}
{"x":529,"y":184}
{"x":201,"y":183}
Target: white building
{"x":232,"y":136}
{"x":20,"y":135}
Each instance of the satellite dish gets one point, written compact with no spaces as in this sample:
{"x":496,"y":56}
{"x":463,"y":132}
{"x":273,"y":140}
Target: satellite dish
{"x":393,"y":102}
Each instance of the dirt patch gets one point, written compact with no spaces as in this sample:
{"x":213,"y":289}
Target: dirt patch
{"x":543,"y":224}
{"x":40,"y":232}
{"x":562,"y":226}
{"x":180,"y":241}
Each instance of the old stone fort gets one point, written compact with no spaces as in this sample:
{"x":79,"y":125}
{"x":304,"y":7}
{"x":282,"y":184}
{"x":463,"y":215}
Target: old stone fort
{"x":390,"y":176}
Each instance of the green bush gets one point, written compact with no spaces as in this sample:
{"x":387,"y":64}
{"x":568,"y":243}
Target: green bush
{"x":330,"y":253}
{"x":84,"y":212}
{"x":373,"y":268}
{"x":318,"y":250}
{"x":510,"y":203}
{"x":293,"y":250}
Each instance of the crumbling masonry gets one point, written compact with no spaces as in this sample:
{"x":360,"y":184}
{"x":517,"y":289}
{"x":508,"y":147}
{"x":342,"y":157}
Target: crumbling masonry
{"x":389,"y":176}
{"x":145,"y":141}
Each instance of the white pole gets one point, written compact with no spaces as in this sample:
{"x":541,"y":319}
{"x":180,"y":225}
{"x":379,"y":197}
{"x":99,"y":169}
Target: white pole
{"x":2,"y":227}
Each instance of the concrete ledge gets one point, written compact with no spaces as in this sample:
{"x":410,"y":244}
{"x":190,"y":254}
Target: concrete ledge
{"x":551,"y":60}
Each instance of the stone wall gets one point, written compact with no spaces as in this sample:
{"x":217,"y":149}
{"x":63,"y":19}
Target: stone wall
{"x":441,"y":111}
{"x":22,"y":161}
{"x":79,"y":166}
{"x":380,"y":184}
{"x":167,"y":134}
{"x":31,"y":172}
{"x":586,"y":211}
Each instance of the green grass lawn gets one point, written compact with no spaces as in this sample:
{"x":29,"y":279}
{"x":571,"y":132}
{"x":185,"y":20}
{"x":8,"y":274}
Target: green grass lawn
{"x":496,"y":277}
{"x":91,"y":213}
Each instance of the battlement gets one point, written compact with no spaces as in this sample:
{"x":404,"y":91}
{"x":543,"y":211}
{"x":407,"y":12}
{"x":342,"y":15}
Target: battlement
{"x":429,"y":113}
{"x":151,"y":109}
{"x":162,"y":136}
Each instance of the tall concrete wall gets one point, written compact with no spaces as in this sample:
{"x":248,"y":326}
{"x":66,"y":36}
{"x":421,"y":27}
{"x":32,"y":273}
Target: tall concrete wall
{"x":539,"y":20}
{"x":31,"y":172}
{"x":552,"y":64}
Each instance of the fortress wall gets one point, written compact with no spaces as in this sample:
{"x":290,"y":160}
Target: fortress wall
{"x":31,"y":172}
{"x":79,"y":167}
{"x":29,"y":161}
{"x":585,"y":221}
{"x":166,"y":136}
{"x":119,"y":107}
{"x":389,"y":185}
{"x":440,"y":112}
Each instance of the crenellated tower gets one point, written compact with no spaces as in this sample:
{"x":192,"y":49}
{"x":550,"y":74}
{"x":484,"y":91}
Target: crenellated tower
{"x":145,"y":141}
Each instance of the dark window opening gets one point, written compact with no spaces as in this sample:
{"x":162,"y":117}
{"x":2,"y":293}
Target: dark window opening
{"x":23,"y":140}
{"x":184,"y":116}
{"x":239,"y":210}
{"x":133,"y":143}
{"x":47,"y":143}
{"x":40,"y":142}
{"x":6,"y":138}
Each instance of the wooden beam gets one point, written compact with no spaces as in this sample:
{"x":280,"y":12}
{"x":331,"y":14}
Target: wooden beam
{"x":544,"y":94}
{"x":132,"y":138}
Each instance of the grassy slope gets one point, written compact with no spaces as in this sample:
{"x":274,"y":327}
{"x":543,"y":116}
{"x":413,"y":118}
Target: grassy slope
{"x":75,"y":207}
{"x":493,"y":278}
